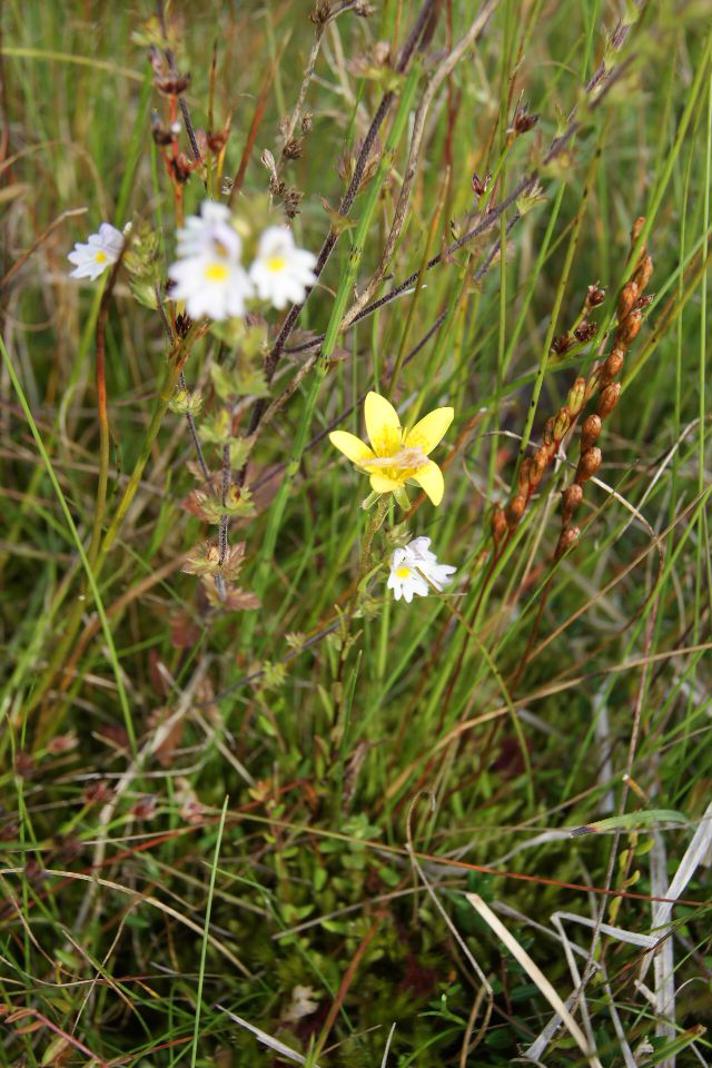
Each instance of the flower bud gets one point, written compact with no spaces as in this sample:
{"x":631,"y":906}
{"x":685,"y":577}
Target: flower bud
{"x":608,"y":399}
{"x":588,"y":464}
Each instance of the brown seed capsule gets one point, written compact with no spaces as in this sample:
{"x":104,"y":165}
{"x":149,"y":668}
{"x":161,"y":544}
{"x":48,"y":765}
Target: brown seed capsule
{"x":612,"y":365}
{"x":643,"y":272}
{"x":568,"y":538}
{"x":628,"y":297}
{"x":571,"y":498}
{"x":540,"y":462}
{"x":515,"y":510}
{"x":590,"y":431}
{"x":608,"y":399}
{"x":595,"y":296}
{"x":499,"y":524}
{"x":548,"y":435}
{"x":628,"y":329}
{"x":588,"y":464}
{"x":524,"y":476}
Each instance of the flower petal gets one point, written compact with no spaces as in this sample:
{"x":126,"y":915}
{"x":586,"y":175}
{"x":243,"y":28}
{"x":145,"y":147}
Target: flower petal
{"x":382,"y":424}
{"x":383,"y":484}
{"x":352,"y":447}
{"x":430,"y":430}
{"x":430,"y":478}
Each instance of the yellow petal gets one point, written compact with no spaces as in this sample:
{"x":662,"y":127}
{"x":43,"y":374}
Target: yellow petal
{"x":383,"y":484}
{"x":430,"y":430}
{"x":356,"y":450}
{"x":382,"y":425}
{"x":430,"y":478}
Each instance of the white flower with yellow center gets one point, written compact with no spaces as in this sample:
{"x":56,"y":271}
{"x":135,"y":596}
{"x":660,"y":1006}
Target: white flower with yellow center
{"x":281,"y":272}
{"x":415,"y":570}
{"x":101,"y":250}
{"x":208,"y":274}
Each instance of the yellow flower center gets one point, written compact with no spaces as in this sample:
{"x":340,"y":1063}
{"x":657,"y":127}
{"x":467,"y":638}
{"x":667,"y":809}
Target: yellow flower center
{"x":275,"y":264}
{"x":403,"y":572}
{"x":216,"y":272}
{"x":101,"y":257}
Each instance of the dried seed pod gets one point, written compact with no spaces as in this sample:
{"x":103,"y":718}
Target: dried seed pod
{"x":524,"y":121}
{"x":515,"y":510}
{"x":608,"y":399}
{"x":568,"y":537}
{"x":480,"y":185}
{"x":588,"y":464}
{"x":548,"y":435}
{"x":571,"y":499}
{"x":628,"y":297}
{"x":540,"y":462}
{"x":590,"y":431}
{"x":636,"y":229}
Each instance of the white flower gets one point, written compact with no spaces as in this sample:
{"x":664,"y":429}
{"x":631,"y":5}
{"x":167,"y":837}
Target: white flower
{"x":414,"y":568}
{"x":282,"y":273}
{"x":208,"y":275}
{"x":101,"y":251}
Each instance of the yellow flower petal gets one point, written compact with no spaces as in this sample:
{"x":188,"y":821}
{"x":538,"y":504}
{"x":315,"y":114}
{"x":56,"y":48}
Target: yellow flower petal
{"x":430,"y":478}
{"x":352,"y":447}
{"x":382,"y":424}
{"x":383,"y":484}
{"x":427,"y":433}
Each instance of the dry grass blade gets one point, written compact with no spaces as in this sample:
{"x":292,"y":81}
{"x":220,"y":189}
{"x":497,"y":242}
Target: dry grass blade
{"x":535,"y":974}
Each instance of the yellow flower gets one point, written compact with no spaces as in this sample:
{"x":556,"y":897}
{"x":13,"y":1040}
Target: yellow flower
{"x":397,"y":456}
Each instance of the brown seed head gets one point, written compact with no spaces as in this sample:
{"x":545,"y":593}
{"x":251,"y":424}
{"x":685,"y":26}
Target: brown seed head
{"x":588,"y":464}
{"x":548,"y":435}
{"x":524,"y":476}
{"x":608,"y":399}
{"x":636,"y":229}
